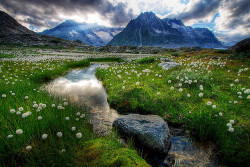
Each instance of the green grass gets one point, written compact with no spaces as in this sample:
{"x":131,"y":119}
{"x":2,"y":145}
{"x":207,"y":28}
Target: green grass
{"x":6,"y":55}
{"x":25,"y":78}
{"x":153,"y":95}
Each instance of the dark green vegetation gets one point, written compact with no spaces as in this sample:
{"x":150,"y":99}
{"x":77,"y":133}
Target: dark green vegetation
{"x":103,"y":152}
{"x":32,"y":119}
{"x":205,"y":94}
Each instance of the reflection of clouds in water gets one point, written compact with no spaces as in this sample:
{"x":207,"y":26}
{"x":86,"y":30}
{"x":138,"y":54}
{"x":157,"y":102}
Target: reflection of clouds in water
{"x":82,"y":87}
{"x":90,"y":92}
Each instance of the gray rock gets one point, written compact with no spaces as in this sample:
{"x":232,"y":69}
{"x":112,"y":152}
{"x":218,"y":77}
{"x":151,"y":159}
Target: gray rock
{"x":167,"y":65}
{"x":149,"y":131}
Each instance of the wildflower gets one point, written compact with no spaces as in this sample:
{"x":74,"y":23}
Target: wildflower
{"x":39,"y":118}
{"x":53,"y":105}
{"x":214,"y":106}
{"x":65,"y":103}
{"x":248,"y":97}
{"x":44,"y":136}
{"x":188,"y":95}
{"x":13,"y":94}
{"x":78,"y":113}
{"x":171,"y":88}
{"x":82,"y":116}
{"x":137,"y":83}
{"x":9,"y":136}
{"x":20,"y":109}
{"x":158,"y":93}
{"x":67,"y":118}
{"x":200,"y":94}
{"x":43,"y":105}
{"x":180,"y":90}
{"x":169,"y":81}
{"x":231,"y":121}
{"x":3,"y":95}
{"x":231,"y":85}
{"x":236,"y":80}
{"x":195,"y":81}
{"x":35,"y":105}
{"x":79,"y":135}
{"x":235,"y":102}
{"x":73,"y":128}
{"x":28,"y":148}
{"x":63,"y":150}
{"x":26,"y":97}
{"x":229,"y":125}
{"x":12,"y":111}
{"x":19,"y":131}
{"x":77,"y":119}
{"x":231,"y":129}
{"x":220,"y":114}
{"x":59,"y":134}
{"x":209,"y":103}
{"x":123,"y":87}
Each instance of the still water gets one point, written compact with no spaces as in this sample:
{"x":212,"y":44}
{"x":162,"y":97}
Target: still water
{"x":82,"y":87}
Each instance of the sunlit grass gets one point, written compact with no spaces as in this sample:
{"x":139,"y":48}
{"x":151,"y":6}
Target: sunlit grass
{"x":37,"y":128}
{"x":204,"y":95}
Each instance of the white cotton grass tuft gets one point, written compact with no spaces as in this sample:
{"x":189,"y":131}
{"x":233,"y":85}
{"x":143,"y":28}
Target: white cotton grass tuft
{"x":9,"y":136}
{"x":12,"y":111}
{"x":230,"y":129}
{"x":28,"y":148}
{"x":209,"y":103}
{"x":19,"y":131}
{"x":79,"y":135}
{"x":44,"y":136}
{"x":59,"y":134}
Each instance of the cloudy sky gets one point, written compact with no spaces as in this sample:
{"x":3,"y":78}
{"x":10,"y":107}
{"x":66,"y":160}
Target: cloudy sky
{"x":228,"y":19}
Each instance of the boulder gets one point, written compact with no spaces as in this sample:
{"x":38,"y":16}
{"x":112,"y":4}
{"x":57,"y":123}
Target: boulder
{"x":149,"y":131}
{"x":167,"y":65}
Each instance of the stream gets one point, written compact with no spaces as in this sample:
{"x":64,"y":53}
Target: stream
{"x":82,"y":87}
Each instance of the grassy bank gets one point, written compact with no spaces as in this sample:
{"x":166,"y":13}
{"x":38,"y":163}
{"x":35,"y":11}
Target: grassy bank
{"x":38,"y":129}
{"x":208,"y":94}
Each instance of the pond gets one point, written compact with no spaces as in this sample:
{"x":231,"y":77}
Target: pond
{"x":82,"y":87}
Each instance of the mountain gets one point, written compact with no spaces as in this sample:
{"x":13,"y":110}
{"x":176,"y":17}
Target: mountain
{"x":11,"y":26}
{"x":242,"y":46}
{"x":13,"y":32}
{"x":91,"y":34}
{"x":149,"y":30}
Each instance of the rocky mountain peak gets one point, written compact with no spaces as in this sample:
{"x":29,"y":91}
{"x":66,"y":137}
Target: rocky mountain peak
{"x":8,"y":25}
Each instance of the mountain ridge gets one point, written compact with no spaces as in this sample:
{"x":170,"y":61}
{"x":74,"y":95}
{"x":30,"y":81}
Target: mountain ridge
{"x":91,"y":34}
{"x":149,"y":30}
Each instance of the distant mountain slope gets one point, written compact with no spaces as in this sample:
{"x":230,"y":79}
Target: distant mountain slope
{"x":91,"y":34}
{"x":149,"y":30}
{"x":13,"y":32}
{"x":241,"y":46}
{"x":8,"y":25}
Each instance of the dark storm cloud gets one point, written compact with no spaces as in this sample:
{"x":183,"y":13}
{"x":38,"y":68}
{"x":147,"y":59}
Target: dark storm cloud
{"x":39,"y":12}
{"x":200,"y":10}
{"x":240,"y":13}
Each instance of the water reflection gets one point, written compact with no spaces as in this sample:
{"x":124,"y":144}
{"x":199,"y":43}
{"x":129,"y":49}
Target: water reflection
{"x":188,"y":152}
{"x":82,"y":87}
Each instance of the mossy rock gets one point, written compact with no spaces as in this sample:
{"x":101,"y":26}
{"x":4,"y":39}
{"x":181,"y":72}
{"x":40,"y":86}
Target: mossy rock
{"x":103,"y":152}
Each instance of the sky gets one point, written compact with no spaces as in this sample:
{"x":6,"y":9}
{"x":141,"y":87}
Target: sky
{"x":228,"y":19}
